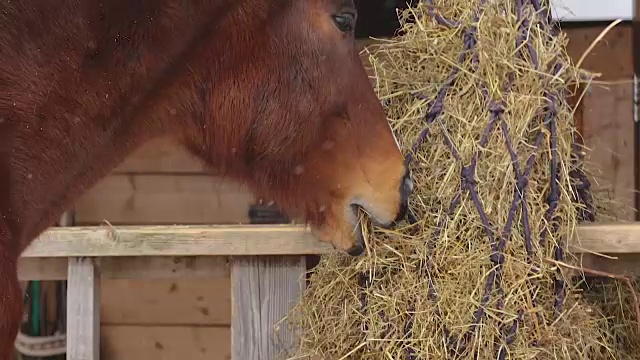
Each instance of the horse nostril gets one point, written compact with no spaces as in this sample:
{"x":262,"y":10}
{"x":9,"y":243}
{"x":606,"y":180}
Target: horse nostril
{"x":356,"y":250}
{"x":407,"y":183}
{"x":406,"y":188}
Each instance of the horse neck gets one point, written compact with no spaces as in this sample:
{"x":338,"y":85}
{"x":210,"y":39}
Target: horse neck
{"x":96,"y":117}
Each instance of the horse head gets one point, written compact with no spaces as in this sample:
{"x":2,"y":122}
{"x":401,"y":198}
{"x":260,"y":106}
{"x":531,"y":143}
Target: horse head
{"x":295,"y":117}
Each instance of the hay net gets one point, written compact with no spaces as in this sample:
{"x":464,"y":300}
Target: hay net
{"x":476,"y":94}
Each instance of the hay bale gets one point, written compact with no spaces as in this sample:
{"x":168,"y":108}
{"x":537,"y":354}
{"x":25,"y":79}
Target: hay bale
{"x":476,"y":94}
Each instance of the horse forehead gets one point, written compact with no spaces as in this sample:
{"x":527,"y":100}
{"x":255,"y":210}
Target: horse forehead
{"x":337,"y":5}
{"x":330,"y":6}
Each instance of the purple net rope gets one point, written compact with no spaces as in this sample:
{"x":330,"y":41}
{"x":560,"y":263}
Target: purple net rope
{"x":458,"y":344}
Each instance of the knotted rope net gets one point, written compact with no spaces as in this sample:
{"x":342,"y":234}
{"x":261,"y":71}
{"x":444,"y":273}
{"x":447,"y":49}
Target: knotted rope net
{"x":476,"y":92}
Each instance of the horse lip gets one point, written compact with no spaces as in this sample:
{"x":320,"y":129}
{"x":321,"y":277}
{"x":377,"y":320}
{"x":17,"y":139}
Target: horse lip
{"x":356,"y":250}
{"x":406,"y":189}
{"x":359,"y":247}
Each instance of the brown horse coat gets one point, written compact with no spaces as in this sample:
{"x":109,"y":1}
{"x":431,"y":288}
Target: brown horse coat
{"x":268,"y":92}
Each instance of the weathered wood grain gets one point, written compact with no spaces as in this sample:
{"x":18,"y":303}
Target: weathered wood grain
{"x":620,"y":264}
{"x":264,"y":289}
{"x":176,"y":241}
{"x":127,"y":342}
{"x":610,"y":57}
{"x":163,"y":156}
{"x":83,"y":310}
{"x":237,"y":240}
{"x":620,"y":238}
{"x":161,"y":302}
{"x":164,"y":199}
{"x":130,"y":267}
{"x":608,"y":132}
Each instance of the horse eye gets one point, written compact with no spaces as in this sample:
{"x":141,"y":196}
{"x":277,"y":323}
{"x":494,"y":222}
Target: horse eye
{"x":345,"y":21}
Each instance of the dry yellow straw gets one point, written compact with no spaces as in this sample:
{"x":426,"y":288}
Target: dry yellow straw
{"x":472,"y":278}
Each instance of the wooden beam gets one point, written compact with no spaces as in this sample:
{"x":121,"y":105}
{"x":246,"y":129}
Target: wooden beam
{"x":130,"y":267}
{"x":215,"y":267}
{"x":83,"y":310}
{"x":635,"y":50}
{"x":619,"y":238}
{"x":141,"y":199}
{"x":263,"y":291}
{"x":621,"y":264}
{"x":161,"y":342}
{"x":239,"y":240}
{"x":221,"y":240}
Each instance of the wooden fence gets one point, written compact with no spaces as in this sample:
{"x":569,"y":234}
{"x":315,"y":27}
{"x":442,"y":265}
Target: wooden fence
{"x":267,"y":268}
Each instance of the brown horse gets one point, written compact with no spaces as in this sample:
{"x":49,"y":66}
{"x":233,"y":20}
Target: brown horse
{"x":271,"y":93}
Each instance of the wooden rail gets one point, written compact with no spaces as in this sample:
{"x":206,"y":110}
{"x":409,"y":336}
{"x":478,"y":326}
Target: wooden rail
{"x":267,"y":267}
{"x":226,"y":240}
{"x":253,"y":240}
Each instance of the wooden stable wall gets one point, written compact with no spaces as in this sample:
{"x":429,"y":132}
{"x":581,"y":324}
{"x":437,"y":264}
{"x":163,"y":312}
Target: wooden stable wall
{"x":161,"y":184}
{"x":606,"y":112}
{"x":157,"y":175}
{"x":165,"y":319}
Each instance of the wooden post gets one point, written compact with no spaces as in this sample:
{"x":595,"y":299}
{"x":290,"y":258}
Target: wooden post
{"x":83,"y":310}
{"x":264,"y":289}
{"x":635,"y":27}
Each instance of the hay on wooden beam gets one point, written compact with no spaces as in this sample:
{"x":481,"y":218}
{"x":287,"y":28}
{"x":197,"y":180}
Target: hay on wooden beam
{"x":476,"y":92}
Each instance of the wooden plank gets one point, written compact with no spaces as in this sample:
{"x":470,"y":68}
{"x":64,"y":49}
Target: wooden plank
{"x":211,"y":270}
{"x":165,"y":342}
{"x":164,"y":302}
{"x":635,"y":39}
{"x":143,"y":199}
{"x":607,"y":109}
{"x":161,"y":156}
{"x":608,"y":132}
{"x":621,"y":238}
{"x":611,"y":57}
{"x":83,"y":310}
{"x":238,"y":240}
{"x":131,"y":267}
{"x":44,"y":269}
{"x":263,"y":291}
{"x":621,"y":264}
{"x":181,"y":240}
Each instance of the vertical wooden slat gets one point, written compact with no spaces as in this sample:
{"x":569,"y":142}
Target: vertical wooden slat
{"x":83,"y":310}
{"x":636,"y":110}
{"x":264,"y":289}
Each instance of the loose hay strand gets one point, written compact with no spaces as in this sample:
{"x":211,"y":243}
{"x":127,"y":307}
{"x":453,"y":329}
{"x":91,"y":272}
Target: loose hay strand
{"x":476,"y":95}
{"x":626,"y":279}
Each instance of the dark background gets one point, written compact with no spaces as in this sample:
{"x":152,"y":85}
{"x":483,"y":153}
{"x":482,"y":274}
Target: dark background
{"x":378,"y":18}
